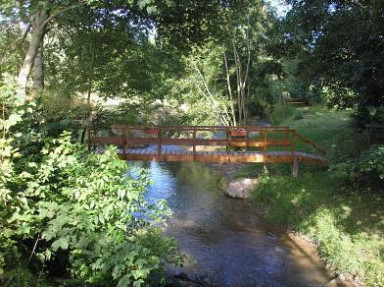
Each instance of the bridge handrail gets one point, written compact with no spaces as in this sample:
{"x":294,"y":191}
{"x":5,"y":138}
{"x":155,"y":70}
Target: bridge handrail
{"x":309,"y":142}
{"x":229,"y":141}
{"x":234,"y":137}
{"x":202,"y":128}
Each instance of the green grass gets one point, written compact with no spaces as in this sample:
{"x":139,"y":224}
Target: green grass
{"x":332,"y":130}
{"x":346,"y":221}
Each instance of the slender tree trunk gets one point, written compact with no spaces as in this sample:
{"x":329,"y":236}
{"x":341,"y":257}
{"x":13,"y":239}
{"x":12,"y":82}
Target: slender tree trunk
{"x":38,"y":70}
{"x":90,"y":83}
{"x":246,"y":76}
{"x":233,"y":116}
{"x":38,"y":30}
{"x":238,"y":71}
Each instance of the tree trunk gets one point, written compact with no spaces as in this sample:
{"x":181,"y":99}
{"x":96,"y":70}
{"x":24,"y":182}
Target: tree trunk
{"x":90,"y":82}
{"x":233,"y":115}
{"x":38,"y":70}
{"x":38,"y":30}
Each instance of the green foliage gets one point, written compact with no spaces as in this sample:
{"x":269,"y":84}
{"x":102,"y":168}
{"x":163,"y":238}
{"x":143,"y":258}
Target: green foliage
{"x":87,"y":207}
{"x":336,"y":45}
{"x":344,"y":226}
{"x":280,"y":113}
{"x":83,"y":203}
{"x":23,"y":277}
{"x":11,"y":48}
{"x":298,"y":116}
{"x":13,"y":113}
{"x":200,"y":89}
{"x":75,"y":205}
{"x":288,"y":200}
{"x":366,"y":170}
{"x":324,"y":206}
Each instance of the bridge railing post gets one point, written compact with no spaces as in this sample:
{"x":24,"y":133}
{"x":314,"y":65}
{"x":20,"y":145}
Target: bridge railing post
{"x":159,"y":142}
{"x":294,"y":159}
{"x":293,"y":132}
{"x":287,"y":139}
{"x":194,"y":144}
{"x":124,"y":141}
{"x":227,"y":135}
{"x":247,"y":137}
{"x":265,"y":141}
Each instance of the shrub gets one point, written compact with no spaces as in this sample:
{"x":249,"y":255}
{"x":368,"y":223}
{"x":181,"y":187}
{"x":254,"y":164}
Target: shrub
{"x":367,"y":169}
{"x":83,"y":208}
{"x":298,"y":116}
{"x":82,"y":203}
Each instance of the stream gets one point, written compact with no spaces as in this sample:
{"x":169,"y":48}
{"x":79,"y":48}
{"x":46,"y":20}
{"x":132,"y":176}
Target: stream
{"x":227,"y":239}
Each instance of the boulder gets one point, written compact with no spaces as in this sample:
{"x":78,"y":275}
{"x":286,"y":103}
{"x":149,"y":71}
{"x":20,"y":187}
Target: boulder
{"x":240,"y":188}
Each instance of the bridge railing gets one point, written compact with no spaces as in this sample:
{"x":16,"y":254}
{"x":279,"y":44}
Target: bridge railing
{"x":295,"y":134}
{"x":273,"y":144}
{"x":249,"y":137}
{"x":195,"y":137}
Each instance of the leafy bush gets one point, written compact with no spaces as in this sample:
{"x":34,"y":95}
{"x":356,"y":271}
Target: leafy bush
{"x":298,"y":116}
{"x":378,"y":116}
{"x":279,"y":113}
{"x":367,"y":169}
{"x":83,"y":204}
{"x":82,"y":208}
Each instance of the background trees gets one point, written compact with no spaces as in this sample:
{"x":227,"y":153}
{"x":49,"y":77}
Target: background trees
{"x":339,"y":45}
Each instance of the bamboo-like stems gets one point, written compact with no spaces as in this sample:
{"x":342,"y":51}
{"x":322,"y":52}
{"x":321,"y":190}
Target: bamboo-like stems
{"x":229,"y":89}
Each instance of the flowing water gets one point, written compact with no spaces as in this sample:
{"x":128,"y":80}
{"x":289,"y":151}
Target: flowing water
{"x":229,"y":242}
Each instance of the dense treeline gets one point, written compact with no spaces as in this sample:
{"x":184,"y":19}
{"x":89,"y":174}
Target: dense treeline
{"x":179,"y":62}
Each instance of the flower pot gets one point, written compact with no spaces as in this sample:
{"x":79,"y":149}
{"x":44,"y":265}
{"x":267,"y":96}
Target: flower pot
{"x":238,"y":133}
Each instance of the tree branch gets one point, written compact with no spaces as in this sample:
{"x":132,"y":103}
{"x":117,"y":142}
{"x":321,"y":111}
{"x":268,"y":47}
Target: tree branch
{"x":58,"y":12}
{"x":26,"y":33}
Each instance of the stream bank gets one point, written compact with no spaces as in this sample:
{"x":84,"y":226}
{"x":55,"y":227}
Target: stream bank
{"x":308,"y":248}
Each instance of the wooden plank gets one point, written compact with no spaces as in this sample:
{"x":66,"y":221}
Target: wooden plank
{"x":169,"y":141}
{"x":108,"y":140}
{"x":225,"y":157}
{"x":312,"y":144}
{"x":211,"y":142}
{"x":143,"y":141}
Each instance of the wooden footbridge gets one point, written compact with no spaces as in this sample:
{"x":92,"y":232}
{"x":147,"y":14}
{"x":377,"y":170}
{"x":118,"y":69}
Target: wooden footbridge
{"x":212,"y":144}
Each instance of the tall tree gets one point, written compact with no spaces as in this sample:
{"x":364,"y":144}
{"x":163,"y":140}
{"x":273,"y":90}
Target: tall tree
{"x":39,"y":15}
{"x":342,"y":47}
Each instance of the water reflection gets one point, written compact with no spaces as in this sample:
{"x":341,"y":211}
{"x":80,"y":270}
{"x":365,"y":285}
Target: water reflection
{"x":231,"y":245}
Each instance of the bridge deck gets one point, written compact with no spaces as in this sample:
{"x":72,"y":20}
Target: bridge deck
{"x":221,"y":156}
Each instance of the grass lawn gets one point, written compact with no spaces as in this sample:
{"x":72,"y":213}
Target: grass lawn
{"x":346,"y":221}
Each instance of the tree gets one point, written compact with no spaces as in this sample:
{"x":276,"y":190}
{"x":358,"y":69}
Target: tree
{"x":240,"y":38}
{"x":340,"y":45}
{"x":246,"y":36}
